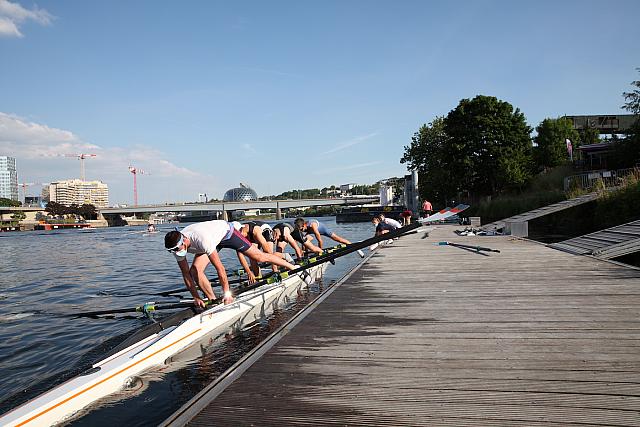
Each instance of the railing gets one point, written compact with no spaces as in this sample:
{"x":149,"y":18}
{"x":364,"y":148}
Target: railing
{"x":589,"y":180}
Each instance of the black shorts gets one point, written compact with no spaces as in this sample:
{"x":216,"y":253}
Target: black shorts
{"x":237,"y":241}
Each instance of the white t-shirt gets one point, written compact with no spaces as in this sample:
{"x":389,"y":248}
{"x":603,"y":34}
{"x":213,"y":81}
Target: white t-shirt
{"x":392,"y":222}
{"x":205,"y":236}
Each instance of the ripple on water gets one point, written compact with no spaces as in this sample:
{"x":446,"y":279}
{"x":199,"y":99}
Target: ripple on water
{"x":69,"y":271}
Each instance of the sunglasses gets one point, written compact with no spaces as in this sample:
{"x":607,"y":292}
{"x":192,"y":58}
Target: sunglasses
{"x":177,"y":247}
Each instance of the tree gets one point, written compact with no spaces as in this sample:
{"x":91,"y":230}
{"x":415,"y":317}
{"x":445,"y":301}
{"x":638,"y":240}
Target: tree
{"x":8,"y":202}
{"x":55,"y":209}
{"x":488,"y":146}
{"x":626,"y":151}
{"x":633,"y":98}
{"x":588,"y":135}
{"x":87,"y":211}
{"x":425,"y":154}
{"x":551,"y":146}
{"x":18,"y":216}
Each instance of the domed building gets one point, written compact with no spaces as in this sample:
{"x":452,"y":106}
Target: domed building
{"x":240,"y":194}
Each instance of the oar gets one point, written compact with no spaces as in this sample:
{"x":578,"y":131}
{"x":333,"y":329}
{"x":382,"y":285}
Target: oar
{"x":146,"y":308}
{"x":274,"y":277}
{"x":475,"y":248}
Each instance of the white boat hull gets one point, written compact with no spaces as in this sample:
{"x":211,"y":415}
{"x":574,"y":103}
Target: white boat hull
{"x":63,"y":401}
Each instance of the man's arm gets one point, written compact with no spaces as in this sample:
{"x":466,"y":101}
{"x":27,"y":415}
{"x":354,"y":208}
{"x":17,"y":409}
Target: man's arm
{"x":314,"y":227}
{"x":189,"y":283}
{"x":222,"y":276}
{"x":245,"y":266}
{"x":294,"y":245}
{"x":262,"y":244}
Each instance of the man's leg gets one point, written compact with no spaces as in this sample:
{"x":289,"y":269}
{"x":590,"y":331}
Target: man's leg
{"x":339,"y":239}
{"x":259,"y":256}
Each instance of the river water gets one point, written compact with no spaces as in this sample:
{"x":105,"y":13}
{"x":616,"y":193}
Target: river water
{"x":44,"y":275}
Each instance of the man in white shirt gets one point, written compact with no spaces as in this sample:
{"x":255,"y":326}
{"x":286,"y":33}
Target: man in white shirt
{"x":204,"y":240}
{"x":389,"y":221}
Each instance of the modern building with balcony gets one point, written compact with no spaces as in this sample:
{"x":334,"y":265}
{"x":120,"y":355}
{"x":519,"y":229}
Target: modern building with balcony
{"x":79,"y":192}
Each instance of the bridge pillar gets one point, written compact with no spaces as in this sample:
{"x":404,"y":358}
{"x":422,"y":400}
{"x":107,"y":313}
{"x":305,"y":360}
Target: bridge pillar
{"x":225,"y":215}
{"x":278,"y":212}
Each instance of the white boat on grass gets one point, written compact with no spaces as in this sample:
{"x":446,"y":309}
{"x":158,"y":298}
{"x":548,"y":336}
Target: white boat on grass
{"x":149,"y":347}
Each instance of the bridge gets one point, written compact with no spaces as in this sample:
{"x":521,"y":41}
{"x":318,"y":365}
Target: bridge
{"x":226,"y":207}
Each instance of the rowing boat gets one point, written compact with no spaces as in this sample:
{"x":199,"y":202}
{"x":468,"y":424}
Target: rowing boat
{"x":147,"y":348}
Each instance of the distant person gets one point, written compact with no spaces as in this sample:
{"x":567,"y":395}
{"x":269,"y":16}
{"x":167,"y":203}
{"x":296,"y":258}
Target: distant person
{"x":318,"y":229}
{"x":204,"y":240}
{"x":381,"y":226}
{"x":406,"y":217}
{"x":151,"y":228}
{"x":390,"y":221}
{"x":427,"y":209}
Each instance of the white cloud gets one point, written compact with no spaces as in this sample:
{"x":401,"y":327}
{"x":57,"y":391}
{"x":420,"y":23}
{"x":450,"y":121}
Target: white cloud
{"x":249,"y":148}
{"x":45,"y":154}
{"x":8,"y":28}
{"x":12,"y":15}
{"x":350,"y":143}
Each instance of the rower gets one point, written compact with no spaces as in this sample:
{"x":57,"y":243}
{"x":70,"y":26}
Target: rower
{"x":282,"y":234}
{"x":260,"y":234}
{"x":316,"y":228}
{"x":382,"y":227}
{"x":204,"y":240}
{"x":390,"y":221}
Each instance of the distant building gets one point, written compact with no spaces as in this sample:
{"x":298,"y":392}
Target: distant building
{"x":240,"y":194}
{"x":79,"y":192}
{"x":596,"y":156}
{"x":35,"y":201}
{"x":8,"y":178}
{"x":386,"y":195}
{"x":345,"y":188}
{"x":605,"y":124}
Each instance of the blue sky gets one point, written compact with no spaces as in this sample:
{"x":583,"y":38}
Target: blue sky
{"x":203,"y":95}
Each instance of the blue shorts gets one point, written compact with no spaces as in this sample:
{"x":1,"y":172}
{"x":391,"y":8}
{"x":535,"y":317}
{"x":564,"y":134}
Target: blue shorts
{"x":323,"y":229}
{"x":236,"y":241}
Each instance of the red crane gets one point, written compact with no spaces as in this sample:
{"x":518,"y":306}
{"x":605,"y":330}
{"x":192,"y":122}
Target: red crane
{"x":135,"y":172}
{"x":81,"y":157}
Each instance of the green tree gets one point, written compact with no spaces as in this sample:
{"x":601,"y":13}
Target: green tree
{"x":587,"y":136}
{"x":626,"y":150}
{"x":488,"y":146}
{"x":8,"y":202}
{"x":425,"y":154}
{"x":551,"y":145}
{"x":87,"y":211}
{"x":633,"y":98}
{"x":18,"y":216}
{"x":55,"y":209}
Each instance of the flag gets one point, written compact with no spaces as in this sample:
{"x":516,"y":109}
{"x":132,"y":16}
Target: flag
{"x":569,"y":148}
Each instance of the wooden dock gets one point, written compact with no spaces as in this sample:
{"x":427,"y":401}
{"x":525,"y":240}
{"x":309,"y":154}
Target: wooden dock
{"x":436,"y":335}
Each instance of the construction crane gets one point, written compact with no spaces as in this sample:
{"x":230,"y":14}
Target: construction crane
{"x":81,"y":157}
{"x":135,"y":172}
